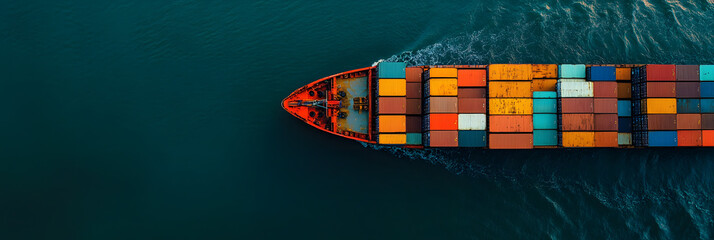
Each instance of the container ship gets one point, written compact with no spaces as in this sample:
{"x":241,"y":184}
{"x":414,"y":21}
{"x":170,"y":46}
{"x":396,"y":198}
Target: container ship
{"x":514,"y":106}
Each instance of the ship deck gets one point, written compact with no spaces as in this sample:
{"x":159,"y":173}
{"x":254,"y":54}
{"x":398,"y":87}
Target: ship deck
{"x":355,"y":121}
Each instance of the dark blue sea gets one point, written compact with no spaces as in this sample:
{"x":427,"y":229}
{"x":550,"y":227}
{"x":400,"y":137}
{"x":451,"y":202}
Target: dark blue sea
{"x":161,"y":120}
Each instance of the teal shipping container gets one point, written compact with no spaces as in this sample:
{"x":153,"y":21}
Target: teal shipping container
{"x":707,"y":105}
{"x":706,"y":73}
{"x":545,"y":137}
{"x":624,"y":108}
{"x":545,"y":121}
{"x":545,"y":106}
{"x":572,"y":71}
{"x":688,"y":106}
{"x":706,"y":90}
{"x":662,"y":138}
{"x":545,"y":94}
{"x":472,"y":138}
{"x":413,"y":138}
{"x":392,"y":70}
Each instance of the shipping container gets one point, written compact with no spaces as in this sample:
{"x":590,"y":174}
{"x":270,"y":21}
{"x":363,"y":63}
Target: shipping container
{"x":707,"y":105}
{"x":624,"y":139}
{"x":545,"y":106}
{"x":708,"y":121}
{"x":441,"y":105}
{"x":606,"y":139}
{"x":413,"y":90}
{"x":544,"y":84}
{"x":391,"y":123}
{"x":605,"y":89}
{"x":510,"y":141}
{"x":472,"y":138}
{"x":472,"y":77}
{"x":414,"y":75}
{"x":606,"y":122}
{"x":469,"y":121}
{"x":624,"y":108}
{"x":605,"y":105}
{"x":708,"y":138}
{"x":656,"y":122}
{"x":706,"y":73}
{"x":624,"y":124}
{"x":545,"y":70}
{"x":441,"y":87}
{"x":688,"y":90}
{"x":660,"y":72}
{"x":472,"y":105}
{"x":571,"y":71}
{"x":510,"y":106}
{"x":442,"y":121}
{"x":545,"y":137}
{"x":413,"y":106}
{"x":689,"y":138}
{"x":706,"y":89}
{"x":689,"y":121}
{"x":577,"y":122}
{"x":545,"y":121}
{"x":392,"y":138}
{"x":392,"y":105}
{"x":624,"y":90}
{"x":656,"y":90}
{"x":472,"y":92}
{"x":603,"y":73}
{"x":660,"y":105}
{"x":662,"y":138}
{"x":414,"y":138}
{"x":623,"y":74}
{"x":392,"y":87}
{"x":687,"y":73}
{"x":688,"y":106}
{"x":509,"y":72}
{"x":545,"y":94}
{"x":413,"y":124}
{"x":577,"y":105}
{"x":578,"y":139}
{"x":441,"y":139}
{"x":510,"y":123}
{"x":441,"y":73}
{"x":509,"y":89}
{"x":575,"y":89}
{"x":391,"y":70}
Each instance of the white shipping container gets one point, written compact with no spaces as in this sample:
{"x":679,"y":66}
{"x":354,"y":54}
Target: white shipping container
{"x":572,"y":80}
{"x":575,"y":89}
{"x":472,"y":121}
{"x":624,"y":138}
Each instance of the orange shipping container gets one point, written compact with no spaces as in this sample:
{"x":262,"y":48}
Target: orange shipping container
{"x":472,"y":78}
{"x":623,"y":74}
{"x":545,"y":71}
{"x":510,"y":106}
{"x":578,"y":139}
{"x":606,"y":139}
{"x":516,"y":89}
{"x":443,"y":121}
{"x":510,"y":123}
{"x":509,"y":72}
{"x":510,"y":140}
{"x":392,"y":138}
{"x":443,"y":87}
{"x":577,"y":122}
{"x":544,"y":84}
{"x":442,"y":73}
{"x":689,"y":121}
{"x":392,"y":87}
{"x":624,"y":90}
{"x":689,"y":138}
{"x":708,"y":138}
{"x":660,"y":105}
{"x":392,"y":123}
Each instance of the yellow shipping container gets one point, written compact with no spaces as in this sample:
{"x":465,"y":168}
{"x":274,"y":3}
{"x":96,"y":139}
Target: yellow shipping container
{"x":393,"y":138}
{"x":509,"y":72}
{"x":623,"y":74}
{"x":545,"y":70}
{"x":578,"y":139}
{"x":660,"y":105}
{"x":442,"y":73}
{"x":544,"y":84}
{"x":392,"y":87}
{"x":392,"y":123}
{"x":510,"y":106}
{"x":443,"y":87}
{"x":515,"y":89}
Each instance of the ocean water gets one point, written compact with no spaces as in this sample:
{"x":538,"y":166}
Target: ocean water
{"x":161,"y":120}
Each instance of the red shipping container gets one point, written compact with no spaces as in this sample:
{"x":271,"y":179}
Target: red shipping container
{"x":413,"y":124}
{"x":605,"y":105}
{"x":661,"y":90}
{"x":708,"y":138}
{"x":689,"y":121}
{"x":606,"y":122}
{"x":689,"y":138}
{"x":471,"y":78}
{"x":444,"y":121}
{"x":471,"y":92}
{"x":577,"y":122}
{"x":392,"y":105}
{"x":708,"y":121}
{"x":606,"y":139}
{"x":413,"y":90}
{"x":510,"y":123}
{"x":660,"y":72}
{"x":443,"y":138}
{"x":472,"y":105}
{"x":605,"y":89}
{"x":688,"y":90}
{"x":576,"y":105}
{"x":414,"y":106}
{"x":414,"y":74}
{"x":661,"y":122}
{"x":510,"y":140}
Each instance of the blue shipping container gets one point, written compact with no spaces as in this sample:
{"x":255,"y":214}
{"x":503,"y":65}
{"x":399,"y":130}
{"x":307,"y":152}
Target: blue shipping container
{"x":688,"y":106}
{"x":392,"y":70}
{"x":601,"y":74}
{"x":472,"y":138}
{"x":545,"y":137}
{"x":624,"y":108}
{"x":545,"y":94}
{"x":624,"y":124}
{"x":662,"y":139}
{"x":413,"y":138}
{"x":545,"y":121}
{"x":545,"y":106}
{"x":707,"y":105}
{"x":706,"y":73}
{"x":706,"y":89}
{"x":571,"y":71}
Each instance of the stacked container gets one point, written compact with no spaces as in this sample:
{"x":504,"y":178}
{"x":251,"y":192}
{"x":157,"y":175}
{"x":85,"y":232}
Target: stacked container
{"x":689,"y":117}
{"x":414,"y":105}
{"x":545,"y":105}
{"x":441,"y":119}
{"x":605,"y":105}
{"x":623,"y":75}
{"x":576,"y":105}
{"x":510,"y":106}
{"x":706,"y":80}
{"x":391,"y":103}
{"x":471,"y":98}
{"x":655,"y":105}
